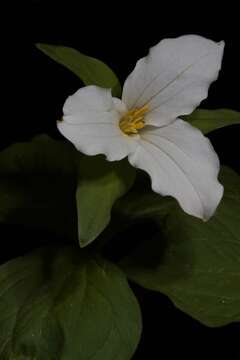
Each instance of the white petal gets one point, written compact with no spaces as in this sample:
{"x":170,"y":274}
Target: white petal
{"x":174,"y":78}
{"x":91,"y":121}
{"x":181,"y":163}
{"x":120,"y":106}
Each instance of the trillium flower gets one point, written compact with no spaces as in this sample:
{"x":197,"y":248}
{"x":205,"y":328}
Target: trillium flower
{"x":145,"y":126}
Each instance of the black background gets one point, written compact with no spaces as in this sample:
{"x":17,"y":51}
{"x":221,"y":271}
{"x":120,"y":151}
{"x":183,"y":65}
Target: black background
{"x":119,"y":35}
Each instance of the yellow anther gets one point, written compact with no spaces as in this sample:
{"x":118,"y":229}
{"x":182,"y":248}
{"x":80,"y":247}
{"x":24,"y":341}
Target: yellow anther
{"x":133,"y":120}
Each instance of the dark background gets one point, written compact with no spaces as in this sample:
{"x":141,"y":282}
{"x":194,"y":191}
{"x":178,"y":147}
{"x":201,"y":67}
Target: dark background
{"x":119,"y":35}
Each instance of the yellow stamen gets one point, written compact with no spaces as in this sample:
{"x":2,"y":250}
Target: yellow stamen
{"x":133,"y":120}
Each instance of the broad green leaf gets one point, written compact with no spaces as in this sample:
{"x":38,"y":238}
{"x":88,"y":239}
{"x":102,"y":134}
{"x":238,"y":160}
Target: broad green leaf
{"x":61,"y":304}
{"x":209,"y":120}
{"x":196,"y":264}
{"x":38,"y":185}
{"x":90,"y":70}
{"x":100,"y":184}
{"x":49,"y":184}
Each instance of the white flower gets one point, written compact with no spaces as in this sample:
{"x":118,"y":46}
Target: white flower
{"x":171,"y":81}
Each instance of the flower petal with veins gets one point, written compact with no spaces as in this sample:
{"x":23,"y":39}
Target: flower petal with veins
{"x":174,"y":78}
{"x":181,"y":163}
{"x":91,"y":123}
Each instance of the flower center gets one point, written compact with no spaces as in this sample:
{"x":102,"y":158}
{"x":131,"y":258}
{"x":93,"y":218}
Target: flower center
{"x":133,"y":120}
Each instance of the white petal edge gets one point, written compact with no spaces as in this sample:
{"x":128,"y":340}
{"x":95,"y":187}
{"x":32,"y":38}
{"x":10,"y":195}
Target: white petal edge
{"x":91,"y":122}
{"x":174,"y":78}
{"x":183,"y":164}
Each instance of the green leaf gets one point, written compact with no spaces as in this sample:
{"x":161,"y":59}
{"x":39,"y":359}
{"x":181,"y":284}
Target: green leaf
{"x":48,"y":184}
{"x":62,"y":304}
{"x":90,"y":70}
{"x":38,"y":184}
{"x":209,"y":120}
{"x":196,"y":264}
{"x":100,"y":184}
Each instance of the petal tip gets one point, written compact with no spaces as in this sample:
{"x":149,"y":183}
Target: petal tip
{"x":208,"y":213}
{"x":221,"y":46}
{"x":221,"y":43}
